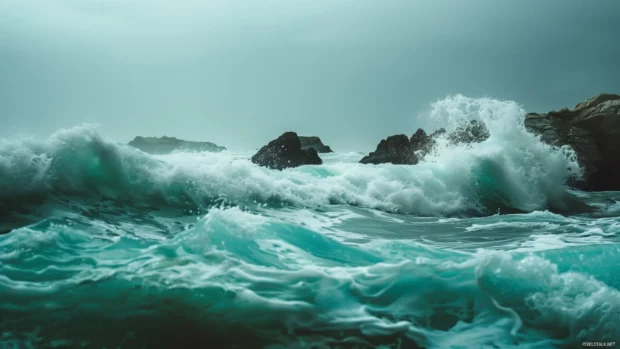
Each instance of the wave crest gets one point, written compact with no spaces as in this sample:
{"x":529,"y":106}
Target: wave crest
{"x":512,"y":171}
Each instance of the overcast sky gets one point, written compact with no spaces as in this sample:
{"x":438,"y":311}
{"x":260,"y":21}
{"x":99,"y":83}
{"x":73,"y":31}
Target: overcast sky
{"x":240,"y":73}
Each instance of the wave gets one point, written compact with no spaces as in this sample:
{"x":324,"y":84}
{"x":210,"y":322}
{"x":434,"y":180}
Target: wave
{"x":511,"y":172}
{"x":285,"y":286}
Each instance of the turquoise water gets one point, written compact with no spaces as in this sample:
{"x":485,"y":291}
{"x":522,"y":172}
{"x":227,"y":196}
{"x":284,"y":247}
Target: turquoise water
{"x":477,"y":247}
{"x":299,"y":278}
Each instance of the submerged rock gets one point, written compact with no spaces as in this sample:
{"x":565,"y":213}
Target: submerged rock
{"x":394,"y":149}
{"x":167,"y":145}
{"x":315,"y":143}
{"x":286,"y":151}
{"x":592,"y":130}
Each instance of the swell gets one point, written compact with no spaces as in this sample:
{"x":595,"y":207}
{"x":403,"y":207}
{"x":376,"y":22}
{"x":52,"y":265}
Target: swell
{"x":283,"y":285}
{"x":510,"y":172}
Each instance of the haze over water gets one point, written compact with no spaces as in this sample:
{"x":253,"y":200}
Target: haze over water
{"x":479,"y":245}
{"x":214,"y":71}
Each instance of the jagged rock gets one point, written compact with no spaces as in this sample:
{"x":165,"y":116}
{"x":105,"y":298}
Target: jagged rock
{"x":400,"y":150}
{"x":592,"y":129}
{"x":439,"y":132}
{"x":166,"y":145}
{"x":420,"y":141}
{"x":472,"y":132}
{"x":285,"y":151}
{"x":315,"y":143}
{"x":395,"y":149}
{"x":423,"y":144}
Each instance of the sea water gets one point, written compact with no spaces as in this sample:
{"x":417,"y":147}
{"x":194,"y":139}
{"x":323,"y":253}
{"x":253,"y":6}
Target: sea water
{"x":477,"y":246}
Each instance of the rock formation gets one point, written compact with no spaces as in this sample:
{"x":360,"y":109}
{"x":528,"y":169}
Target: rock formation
{"x":474,"y":131}
{"x":400,"y":150}
{"x":394,"y":149}
{"x":166,"y":145}
{"x":315,"y":143}
{"x":423,"y":144}
{"x":286,"y":151}
{"x":592,"y":129}
{"x":420,"y":141}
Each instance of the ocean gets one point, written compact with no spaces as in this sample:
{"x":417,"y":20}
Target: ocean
{"x":477,"y":246}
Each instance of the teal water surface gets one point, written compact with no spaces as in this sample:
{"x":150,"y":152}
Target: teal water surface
{"x":477,"y":246}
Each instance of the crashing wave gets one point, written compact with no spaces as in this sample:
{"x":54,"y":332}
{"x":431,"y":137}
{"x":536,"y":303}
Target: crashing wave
{"x":512,"y":171}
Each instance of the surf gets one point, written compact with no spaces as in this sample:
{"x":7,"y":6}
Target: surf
{"x":512,"y":171}
{"x":285,"y":285}
{"x":477,"y":245}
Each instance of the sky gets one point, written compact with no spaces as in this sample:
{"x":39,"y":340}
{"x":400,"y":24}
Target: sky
{"x":239,"y":72}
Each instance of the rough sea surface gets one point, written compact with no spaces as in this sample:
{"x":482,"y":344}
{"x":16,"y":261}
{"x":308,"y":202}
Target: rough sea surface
{"x":478,"y":246}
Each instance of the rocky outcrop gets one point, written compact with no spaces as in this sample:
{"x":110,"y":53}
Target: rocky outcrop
{"x":286,"y":151}
{"x":394,"y":149}
{"x":474,"y":131}
{"x":592,"y":130}
{"x":315,"y":143}
{"x":423,"y":144}
{"x":167,"y":145}
{"x":400,"y":150}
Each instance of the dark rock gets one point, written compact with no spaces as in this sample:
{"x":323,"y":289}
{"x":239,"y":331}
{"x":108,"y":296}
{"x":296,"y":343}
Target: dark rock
{"x":422,"y":143}
{"x":420,"y":140}
{"x":472,"y":132}
{"x":166,"y":145}
{"x":592,"y":129}
{"x":314,"y":143}
{"x":395,"y":149}
{"x":439,"y":132}
{"x":400,"y":150}
{"x":285,"y":151}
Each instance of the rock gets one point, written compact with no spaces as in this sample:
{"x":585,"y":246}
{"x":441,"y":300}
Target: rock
{"x":592,"y":129}
{"x":314,"y":143}
{"x":439,"y":132}
{"x":469,"y":132}
{"x":420,"y":141}
{"x":166,"y":145}
{"x":423,"y":144}
{"x":400,"y":150}
{"x":395,"y":149}
{"x":285,"y":151}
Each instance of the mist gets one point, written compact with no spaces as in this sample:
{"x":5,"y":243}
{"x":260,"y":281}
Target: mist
{"x":239,"y":73}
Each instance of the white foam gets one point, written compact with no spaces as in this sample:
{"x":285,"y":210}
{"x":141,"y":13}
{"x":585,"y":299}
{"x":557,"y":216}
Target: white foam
{"x":529,"y":173}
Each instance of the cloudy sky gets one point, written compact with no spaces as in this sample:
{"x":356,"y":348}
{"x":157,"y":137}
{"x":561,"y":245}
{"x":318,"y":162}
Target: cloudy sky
{"x":241,"y":72}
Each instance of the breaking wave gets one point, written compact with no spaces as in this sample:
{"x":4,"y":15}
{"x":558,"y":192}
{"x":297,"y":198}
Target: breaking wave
{"x":512,"y":171}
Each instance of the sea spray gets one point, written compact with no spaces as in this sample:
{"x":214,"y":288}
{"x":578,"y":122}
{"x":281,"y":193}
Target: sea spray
{"x":106,"y":246}
{"x":511,"y":171}
{"x":512,"y":168}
